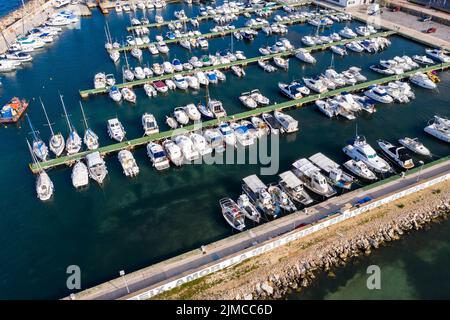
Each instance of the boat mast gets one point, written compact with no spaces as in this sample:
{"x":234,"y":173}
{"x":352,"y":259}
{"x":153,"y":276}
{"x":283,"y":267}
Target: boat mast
{"x":33,"y":156}
{"x":33,"y":132}
{"x":46,"y":117}
{"x":84,"y":116}
{"x":231,"y":34}
{"x":65,"y":113}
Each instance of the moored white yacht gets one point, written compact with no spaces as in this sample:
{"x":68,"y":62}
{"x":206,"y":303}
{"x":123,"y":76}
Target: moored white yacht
{"x":415,"y":146}
{"x":149,"y":124}
{"x":80,"y":175}
{"x":360,"y":169}
{"x":173,"y":152}
{"x":116,"y":130}
{"x":398,"y":154}
{"x":439,"y":128}
{"x":158,"y":156}
{"x":360,"y":150}
{"x":129,"y":166}
{"x":200,"y":144}
{"x":187,"y":147}
{"x":96,"y":166}
{"x":422,"y":80}
{"x":378,"y":94}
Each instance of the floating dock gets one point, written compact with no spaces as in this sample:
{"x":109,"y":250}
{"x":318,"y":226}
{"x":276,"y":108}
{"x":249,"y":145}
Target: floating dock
{"x":87,"y":93}
{"x":207,"y":17}
{"x":130,"y":144}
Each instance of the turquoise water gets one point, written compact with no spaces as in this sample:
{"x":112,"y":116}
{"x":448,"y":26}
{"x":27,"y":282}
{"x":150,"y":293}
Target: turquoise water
{"x":131,"y":223}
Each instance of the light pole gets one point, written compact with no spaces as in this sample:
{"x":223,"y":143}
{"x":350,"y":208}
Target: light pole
{"x":420,"y":170}
{"x":122,"y":274}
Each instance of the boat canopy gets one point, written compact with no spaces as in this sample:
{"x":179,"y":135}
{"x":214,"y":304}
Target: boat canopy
{"x":94,"y":159}
{"x":254,"y":183}
{"x":323,"y":162}
{"x":305,"y":166}
{"x":290,"y":179}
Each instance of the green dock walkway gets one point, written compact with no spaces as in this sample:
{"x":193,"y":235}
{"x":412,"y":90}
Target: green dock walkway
{"x":277,"y":106}
{"x":207,"y":17}
{"x":88,"y":92}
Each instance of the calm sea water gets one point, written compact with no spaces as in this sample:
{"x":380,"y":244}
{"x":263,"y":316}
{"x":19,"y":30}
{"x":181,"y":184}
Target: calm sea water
{"x":131,"y":223}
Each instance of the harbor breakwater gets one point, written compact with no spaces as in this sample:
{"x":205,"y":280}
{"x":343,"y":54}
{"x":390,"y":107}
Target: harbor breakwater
{"x":274,"y":274}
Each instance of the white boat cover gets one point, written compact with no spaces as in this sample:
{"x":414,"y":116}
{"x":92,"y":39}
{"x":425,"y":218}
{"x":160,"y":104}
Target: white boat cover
{"x":290,"y":179}
{"x":254,"y":183}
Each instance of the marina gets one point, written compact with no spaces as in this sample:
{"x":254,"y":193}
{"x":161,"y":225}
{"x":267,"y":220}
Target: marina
{"x":128,"y":160}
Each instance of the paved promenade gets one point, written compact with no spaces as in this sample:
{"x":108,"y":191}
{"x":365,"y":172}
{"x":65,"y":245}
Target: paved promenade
{"x":174,"y":268}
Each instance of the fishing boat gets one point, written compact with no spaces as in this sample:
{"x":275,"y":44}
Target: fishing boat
{"x":73,"y":141}
{"x":288,"y":123}
{"x":232,"y":213}
{"x":128,"y":163}
{"x":128,"y":95}
{"x":280,"y":198}
{"x":114,"y":93}
{"x":80,"y":175}
{"x":333,"y":172}
{"x":56,"y":142}
{"x":360,"y":169}
{"x":39,"y":148}
{"x":248,"y":208}
{"x":90,"y":139}
{"x":415,"y":146}
{"x":96,"y":167}
{"x":360,"y":150}
{"x":257,"y":192}
{"x":272,"y":123}
{"x":439,"y":128}
{"x":116,"y":130}
{"x":44,"y":186}
{"x":312,"y":178}
{"x":293,"y":187}
{"x":422,"y":80}
{"x":398,"y":154}
{"x":149,"y":124}
{"x":173,"y":152}
{"x":158,"y":156}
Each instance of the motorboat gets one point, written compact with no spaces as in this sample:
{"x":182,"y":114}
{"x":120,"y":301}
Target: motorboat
{"x":354,"y":46}
{"x":266,"y":66}
{"x":248,"y":208}
{"x":192,"y":112}
{"x":215,"y":139}
{"x":128,"y":163}
{"x":162,"y":47}
{"x":308,"y":41}
{"x":439,"y":128}
{"x":360,"y":150}
{"x":248,"y":101}
{"x":359,"y":168}
{"x":187,"y":147}
{"x":228,"y":134}
{"x":382,"y":69}
{"x":149,"y":124}
{"x":415,"y":146}
{"x":257,"y":192}
{"x":180,"y":115}
{"x":238,"y":71}
{"x":272,"y":123}
{"x":150,"y":91}
{"x":281,"y":63}
{"x":294,"y":90}
{"x":244,"y":136}
{"x":114,"y":93}
{"x":398,"y":154}
{"x":293,"y":187}
{"x":128,"y":95}
{"x":327,"y":108}
{"x":205,"y":112}
{"x":160,"y":86}
{"x":153,"y":49}
{"x":339,"y":50}
{"x":424,"y":60}
{"x":232,"y":214}
{"x":280,"y":198}
{"x":137,"y":53}
{"x":200,"y":144}
{"x":157,"y":156}
{"x":180,"y":82}
{"x":347,"y":33}
{"x":262,"y":129}
{"x":363,"y":31}
{"x":139,"y":73}
{"x":173,"y":152}
{"x":116,"y":130}
{"x":312,"y":178}
{"x":377,"y":93}
{"x":157,"y":69}
{"x":365,"y":103}
{"x":100,"y":80}
{"x":168,"y":67}
{"x":202,"y":79}
{"x":264,"y":51}
{"x":288,"y":123}
{"x":80,"y":175}
{"x":422,"y":80}
{"x":315,"y":85}
{"x":304,"y":56}
{"x":438,"y":55}
{"x":193,"y":82}
{"x":212,"y":77}
{"x":332,"y":171}
{"x":259,"y":98}
{"x":337,"y":78}
{"x":96,"y":167}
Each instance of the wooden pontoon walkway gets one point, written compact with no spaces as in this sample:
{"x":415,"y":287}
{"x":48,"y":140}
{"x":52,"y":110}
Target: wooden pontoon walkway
{"x":277,"y":106}
{"x":87,"y":93}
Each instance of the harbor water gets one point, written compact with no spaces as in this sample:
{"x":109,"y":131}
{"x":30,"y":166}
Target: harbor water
{"x":130,"y":223}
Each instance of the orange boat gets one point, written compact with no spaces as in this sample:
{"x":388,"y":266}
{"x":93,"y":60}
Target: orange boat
{"x":13,"y":111}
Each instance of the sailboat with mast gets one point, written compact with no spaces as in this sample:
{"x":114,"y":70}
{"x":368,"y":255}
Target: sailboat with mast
{"x":44,"y":186}
{"x":40,"y":150}
{"x":73,"y":142}
{"x":90,"y":139}
{"x":127,"y":73}
{"x":56,"y":141}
